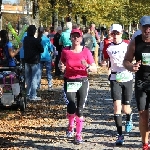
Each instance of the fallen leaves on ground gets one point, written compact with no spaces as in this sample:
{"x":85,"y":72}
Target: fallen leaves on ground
{"x":39,"y":121}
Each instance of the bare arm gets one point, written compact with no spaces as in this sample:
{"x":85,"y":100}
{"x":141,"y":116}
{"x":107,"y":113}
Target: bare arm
{"x":61,"y":66}
{"x":91,"y":68}
{"x":129,"y":56}
{"x":13,"y":53}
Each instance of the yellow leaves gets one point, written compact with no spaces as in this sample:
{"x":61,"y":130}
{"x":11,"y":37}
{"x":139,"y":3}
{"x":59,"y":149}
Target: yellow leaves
{"x":98,"y":10}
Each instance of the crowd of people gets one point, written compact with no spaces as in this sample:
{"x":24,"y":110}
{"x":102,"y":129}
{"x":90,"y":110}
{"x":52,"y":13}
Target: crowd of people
{"x":80,"y":51}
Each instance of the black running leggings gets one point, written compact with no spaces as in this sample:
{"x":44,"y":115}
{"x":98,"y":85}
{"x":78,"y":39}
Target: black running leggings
{"x":81,"y":96}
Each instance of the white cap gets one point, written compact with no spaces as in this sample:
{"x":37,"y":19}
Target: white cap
{"x":116,"y":27}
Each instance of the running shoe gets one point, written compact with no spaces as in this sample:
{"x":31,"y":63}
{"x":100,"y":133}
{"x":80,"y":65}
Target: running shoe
{"x":120,"y":140}
{"x":70,"y":132}
{"x":128,"y":126}
{"x":78,"y":139}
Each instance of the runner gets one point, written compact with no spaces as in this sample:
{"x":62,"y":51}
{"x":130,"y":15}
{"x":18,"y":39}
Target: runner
{"x":140,"y":49}
{"x":120,"y":82}
{"x":76,"y":61}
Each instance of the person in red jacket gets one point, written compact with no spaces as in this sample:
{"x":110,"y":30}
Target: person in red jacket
{"x":107,"y":42}
{"x":51,"y":35}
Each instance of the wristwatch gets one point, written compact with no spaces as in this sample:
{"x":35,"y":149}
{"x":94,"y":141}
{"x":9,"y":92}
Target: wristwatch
{"x":88,"y":68}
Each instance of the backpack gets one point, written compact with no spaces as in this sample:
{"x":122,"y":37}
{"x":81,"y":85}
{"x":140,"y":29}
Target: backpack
{"x":3,"y":57}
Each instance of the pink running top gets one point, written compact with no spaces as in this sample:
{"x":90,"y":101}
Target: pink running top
{"x":72,"y":61}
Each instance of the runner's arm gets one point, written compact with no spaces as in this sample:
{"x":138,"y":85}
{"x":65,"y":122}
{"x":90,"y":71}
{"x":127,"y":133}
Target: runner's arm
{"x":92,"y":68}
{"x":129,"y":56}
{"x":62,"y":61}
{"x":89,"y":63}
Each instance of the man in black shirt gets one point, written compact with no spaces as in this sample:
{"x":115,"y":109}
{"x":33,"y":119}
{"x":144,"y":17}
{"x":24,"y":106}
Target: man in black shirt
{"x":139,"y":48}
{"x":58,"y":49}
{"x":32,"y":51}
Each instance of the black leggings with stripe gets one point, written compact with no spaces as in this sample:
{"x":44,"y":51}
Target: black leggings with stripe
{"x":81,"y":96}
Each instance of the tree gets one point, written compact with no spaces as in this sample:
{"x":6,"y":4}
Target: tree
{"x":97,"y":11}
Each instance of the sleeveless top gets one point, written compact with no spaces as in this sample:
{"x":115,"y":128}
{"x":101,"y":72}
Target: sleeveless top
{"x":142,"y":52}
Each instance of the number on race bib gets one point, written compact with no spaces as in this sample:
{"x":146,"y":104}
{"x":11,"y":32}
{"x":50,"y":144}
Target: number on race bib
{"x":124,"y":76}
{"x":146,"y":59}
{"x":73,"y":86}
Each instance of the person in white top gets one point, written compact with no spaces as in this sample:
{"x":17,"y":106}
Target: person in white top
{"x":120,"y":82}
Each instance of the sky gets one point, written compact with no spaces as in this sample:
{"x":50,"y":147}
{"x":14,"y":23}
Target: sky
{"x":11,"y":1}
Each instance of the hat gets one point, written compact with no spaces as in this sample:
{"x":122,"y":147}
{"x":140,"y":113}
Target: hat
{"x":116,"y":27}
{"x":76,"y":31}
{"x":145,"y":20}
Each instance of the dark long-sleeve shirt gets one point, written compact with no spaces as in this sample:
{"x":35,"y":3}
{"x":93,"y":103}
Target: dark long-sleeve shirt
{"x":32,"y":49}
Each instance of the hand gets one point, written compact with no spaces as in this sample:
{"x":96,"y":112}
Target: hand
{"x":136,"y":66}
{"x":61,"y":66}
{"x":103,"y":63}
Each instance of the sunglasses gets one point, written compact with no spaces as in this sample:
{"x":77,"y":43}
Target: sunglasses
{"x":115,"y":33}
{"x":75,"y":36}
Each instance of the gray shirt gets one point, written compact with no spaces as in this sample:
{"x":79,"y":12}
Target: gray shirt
{"x":88,"y":41}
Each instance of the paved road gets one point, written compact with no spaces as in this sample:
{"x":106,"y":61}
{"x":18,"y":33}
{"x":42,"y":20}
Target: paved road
{"x":43,"y":125}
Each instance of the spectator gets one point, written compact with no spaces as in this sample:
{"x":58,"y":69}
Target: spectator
{"x":94,"y":42}
{"x":32,"y":51}
{"x":76,"y":26}
{"x":138,"y":32}
{"x":7,"y":47}
{"x":101,"y":48}
{"x":65,"y":36}
{"x":46,"y":58}
{"x":88,"y":39}
{"x":58,"y":49}
{"x":22,"y":58}
{"x":92,"y":28}
{"x":46,"y":32}
{"x":51,"y":34}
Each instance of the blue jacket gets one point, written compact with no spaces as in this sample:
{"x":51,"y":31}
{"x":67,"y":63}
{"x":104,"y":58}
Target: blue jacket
{"x":65,"y":38}
{"x":11,"y":61}
{"x":48,"y":48}
{"x":22,"y":49}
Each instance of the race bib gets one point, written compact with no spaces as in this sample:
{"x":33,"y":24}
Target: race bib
{"x":73,"y":86}
{"x":146,"y":59}
{"x":124,"y":76}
